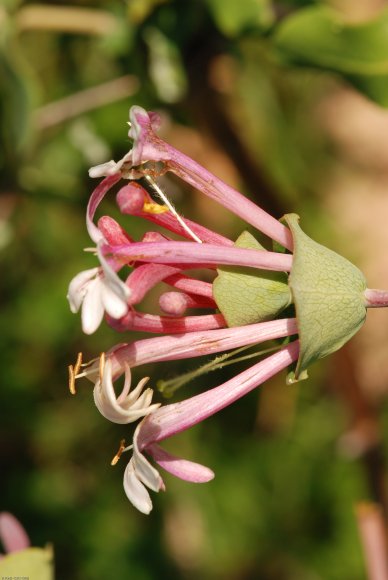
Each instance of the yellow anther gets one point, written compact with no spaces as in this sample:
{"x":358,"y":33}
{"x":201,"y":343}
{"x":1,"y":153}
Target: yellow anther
{"x":71,"y":379}
{"x":78,"y":364}
{"x":154,"y":208}
{"x":102,"y":365}
{"x":119,"y":452}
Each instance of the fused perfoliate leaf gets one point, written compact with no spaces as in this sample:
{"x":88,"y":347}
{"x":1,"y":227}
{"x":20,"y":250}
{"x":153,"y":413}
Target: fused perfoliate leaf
{"x":32,"y":563}
{"x":246,"y":295}
{"x":328,"y":293}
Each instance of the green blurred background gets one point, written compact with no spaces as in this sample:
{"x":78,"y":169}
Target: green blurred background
{"x":285,"y":101}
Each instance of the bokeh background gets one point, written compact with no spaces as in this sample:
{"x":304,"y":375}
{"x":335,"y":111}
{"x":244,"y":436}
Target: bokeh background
{"x":285,"y":101}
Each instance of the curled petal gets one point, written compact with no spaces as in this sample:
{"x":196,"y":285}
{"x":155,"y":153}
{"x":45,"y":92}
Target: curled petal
{"x":95,"y":199}
{"x":186,"y":470}
{"x":126,"y":408}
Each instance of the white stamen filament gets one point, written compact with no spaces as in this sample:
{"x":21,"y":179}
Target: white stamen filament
{"x":172,"y":209}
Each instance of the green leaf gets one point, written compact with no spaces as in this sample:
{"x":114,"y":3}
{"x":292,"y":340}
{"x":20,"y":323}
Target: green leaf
{"x":33,"y":563}
{"x":139,"y":10}
{"x":232,"y":18}
{"x":247,"y":295}
{"x":322,"y":38}
{"x":328,"y":293}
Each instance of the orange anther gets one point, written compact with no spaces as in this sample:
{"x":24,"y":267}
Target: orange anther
{"x":71,"y":380}
{"x":78,"y":364}
{"x":119,"y":452}
{"x":102,"y":365}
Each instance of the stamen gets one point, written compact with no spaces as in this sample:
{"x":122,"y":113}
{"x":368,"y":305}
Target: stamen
{"x":121,"y":450}
{"x":90,"y":362}
{"x":102,"y":365}
{"x":78,"y":364}
{"x":72,"y":379}
{"x":74,"y":371}
{"x":168,"y":203}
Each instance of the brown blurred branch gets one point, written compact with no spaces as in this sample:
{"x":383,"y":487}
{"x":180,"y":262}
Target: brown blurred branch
{"x":210,"y":113}
{"x":59,"y":111}
{"x":66,"y":19}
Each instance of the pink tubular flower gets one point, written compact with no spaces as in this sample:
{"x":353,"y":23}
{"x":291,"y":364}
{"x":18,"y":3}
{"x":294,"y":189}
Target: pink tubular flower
{"x":12,"y":534}
{"x":177,"y":417}
{"x":171,"y":419}
{"x":304,"y":298}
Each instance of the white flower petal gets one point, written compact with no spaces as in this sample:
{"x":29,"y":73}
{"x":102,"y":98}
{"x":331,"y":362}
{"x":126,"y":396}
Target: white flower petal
{"x":138,"y":474}
{"x":144,"y":470}
{"x":124,"y":395}
{"x":110,"y":410}
{"x":110,"y":167}
{"x":119,"y":415}
{"x":104,"y":169}
{"x":114,"y":305}
{"x":111,"y":278}
{"x":141,"y":402}
{"x":78,"y":288}
{"x":135,"y":490}
{"x":92,"y":307}
{"x":131,"y":408}
{"x":106,"y":389}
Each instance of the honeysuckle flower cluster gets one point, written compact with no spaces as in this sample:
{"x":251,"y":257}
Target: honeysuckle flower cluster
{"x":303,"y":299}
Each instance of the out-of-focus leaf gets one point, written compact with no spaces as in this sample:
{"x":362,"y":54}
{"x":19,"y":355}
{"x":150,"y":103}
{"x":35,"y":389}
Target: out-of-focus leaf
{"x":10,"y":4}
{"x":165,"y":66}
{"x":322,"y":38}
{"x":139,"y":10}
{"x":33,"y":563}
{"x":233,"y":18}
{"x":14,"y":107}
